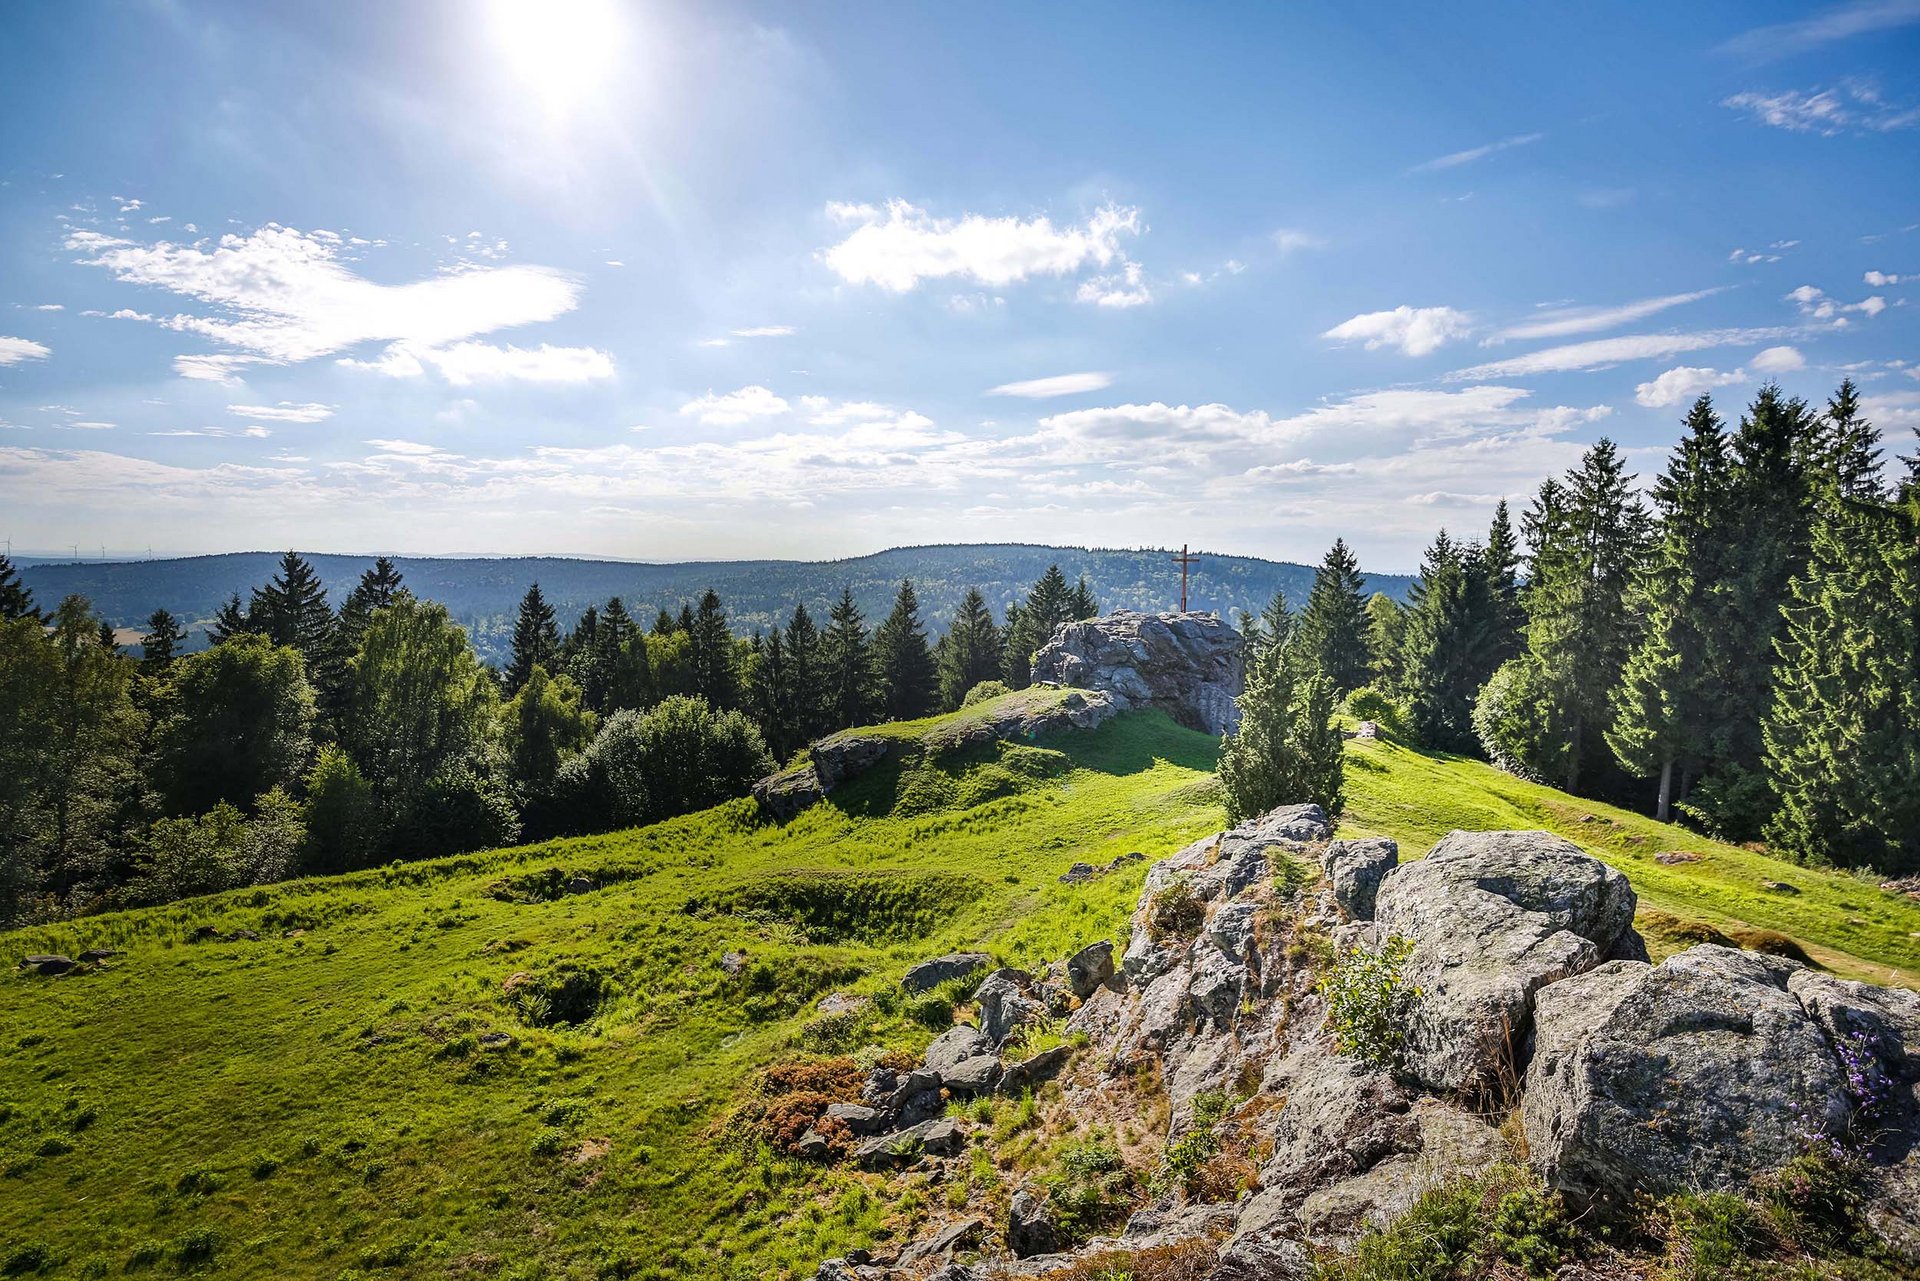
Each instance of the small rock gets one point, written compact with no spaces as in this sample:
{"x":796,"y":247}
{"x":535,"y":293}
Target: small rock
{"x":1131,"y":856}
{"x":48,"y":965}
{"x":1356,"y":869}
{"x":1366,"y":729}
{"x":96,"y":954}
{"x":859,"y":1119}
{"x":733,"y":962}
{"x":1779,"y":887}
{"x":1079,"y":874}
{"x":1034,"y":1071}
{"x":962,"y":1234}
{"x":956,"y":1045}
{"x":1673,"y":858}
{"x":1006,"y":1005}
{"x":494,"y":1040}
{"x":842,"y":1003}
{"x":1030,"y":1226}
{"x":1088,"y":968}
{"x":977,"y":1075}
{"x":1231,"y":929}
{"x":886,"y":1151}
{"x":955,"y":965}
{"x":812,"y":1146}
{"x":916,"y":1098}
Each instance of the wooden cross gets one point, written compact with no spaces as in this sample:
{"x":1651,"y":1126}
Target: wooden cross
{"x":1183,"y":560}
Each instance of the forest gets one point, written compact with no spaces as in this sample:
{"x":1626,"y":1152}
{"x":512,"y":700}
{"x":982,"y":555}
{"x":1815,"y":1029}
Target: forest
{"x":1738,"y":651}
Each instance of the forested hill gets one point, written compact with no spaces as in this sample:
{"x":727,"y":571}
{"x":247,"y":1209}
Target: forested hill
{"x":483,"y":593}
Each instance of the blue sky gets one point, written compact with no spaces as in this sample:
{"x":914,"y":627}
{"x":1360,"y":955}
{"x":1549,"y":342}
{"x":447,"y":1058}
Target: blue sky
{"x":673,"y":281}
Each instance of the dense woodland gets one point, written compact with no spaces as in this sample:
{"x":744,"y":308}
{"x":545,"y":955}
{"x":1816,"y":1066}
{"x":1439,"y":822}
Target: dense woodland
{"x":1743,"y":654}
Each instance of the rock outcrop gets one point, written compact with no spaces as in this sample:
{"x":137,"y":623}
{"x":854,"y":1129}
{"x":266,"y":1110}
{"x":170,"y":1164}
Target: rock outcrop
{"x":1188,"y":665}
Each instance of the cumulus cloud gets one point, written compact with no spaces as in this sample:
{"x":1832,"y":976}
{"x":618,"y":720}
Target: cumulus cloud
{"x":15,"y":350}
{"x":1416,"y":331}
{"x":1880,"y":279}
{"x":735,"y":407}
{"x":464,"y":363}
{"x":1559,"y":322}
{"x":1778,"y":360}
{"x":1815,"y":304}
{"x":1124,"y":288}
{"x":1056,"y":385}
{"x":1853,"y":107}
{"x":905,"y":245}
{"x":282,"y":296}
{"x":1681,"y":384}
{"x":1601,"y":352}
{"x":1454,"y":160}
{"x":286,"y":411}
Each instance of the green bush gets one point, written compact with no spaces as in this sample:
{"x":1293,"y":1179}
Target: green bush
{"x":1710,"y":1234}
{"x":1530,"y":1230}
{"x":1371,"y":703}
{"x":1367,"y":1000}
{"x":983,"y":691}
{"x":1088,"y":1188}
{"x":1518,"y":723}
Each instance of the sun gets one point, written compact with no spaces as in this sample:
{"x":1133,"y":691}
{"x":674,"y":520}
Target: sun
{"x":560,"y":52}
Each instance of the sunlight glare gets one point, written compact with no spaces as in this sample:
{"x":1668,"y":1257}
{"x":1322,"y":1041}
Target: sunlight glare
{"x":562,"y":51}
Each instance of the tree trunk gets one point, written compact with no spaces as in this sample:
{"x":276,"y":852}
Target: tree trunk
{"x":1666,"y":789}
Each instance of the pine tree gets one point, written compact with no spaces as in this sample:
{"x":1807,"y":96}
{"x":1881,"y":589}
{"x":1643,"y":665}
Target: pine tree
{"x":16,"y":598}
{"x":775,"y":696}
{"x":1286,"y":749}
{"x":229,"y":620}
{"x":715,"y":677}
{"x":847,"y":665}
{"x":664,"y":624}
{"x":536,"y":639}
{"x":1333,"y":627}
{"x":1080,"y":602}
{"x":805,"y":657}
{"x":1587,"y":545}
{"x":1447,"y":648}
{"x":163,"y":642}
{"x":1505,"y":618}
{"x":1848,"y":447}
{"x":1386,"y":639}
{"x":905,"y":664}
{"x":378,"y":588}
{"x":970,"y":652}
{"x":1665,"y":706}
{"x":1032,"y":625}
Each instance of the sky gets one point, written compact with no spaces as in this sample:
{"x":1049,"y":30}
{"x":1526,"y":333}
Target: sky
{"x":672,"y":281}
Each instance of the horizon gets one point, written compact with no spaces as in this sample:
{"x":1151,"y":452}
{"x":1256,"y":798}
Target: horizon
{"x":659,"y":281}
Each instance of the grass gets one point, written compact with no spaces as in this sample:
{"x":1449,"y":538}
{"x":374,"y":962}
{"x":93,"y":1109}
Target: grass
{"x":331,"y":1100}
{"x":1843,"y":921}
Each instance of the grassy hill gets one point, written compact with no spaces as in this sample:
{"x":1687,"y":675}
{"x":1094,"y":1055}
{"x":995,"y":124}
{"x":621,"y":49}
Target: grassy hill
{"x":324,"y":1100}
{"x":482,"y":593}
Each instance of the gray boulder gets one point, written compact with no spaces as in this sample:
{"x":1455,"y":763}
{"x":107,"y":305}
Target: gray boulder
{"x":1187,"y":665}
{"x":1035,"y":1070}
{"x":1006,"y":1003}
{"x":1231,"y":929}
{"x":956,"y":1045}
{"x":1030,"y":1226}
{"x":974,"y":1076}
{"x":1493,"y":917}
{"x":954,"y":965}
{"x":844,"y":756}
{"x":887,"y":1151}
{"x":1355,"y":869}
{"x":961,"y":1234}
{"x":1215,"y":988}
{"x":859,"y":1119}
{"x":1290,"y":824}
{"x":915,"y":1099}
{"x":1701,"y":1072}
{"x":1088,"y":968}
{"x":785,"y":794}
{"x":47,"y":965}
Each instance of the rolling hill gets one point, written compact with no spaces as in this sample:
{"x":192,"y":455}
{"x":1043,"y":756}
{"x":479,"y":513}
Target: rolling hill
{"x":526,"y":1062}
{"x":482,"y":593}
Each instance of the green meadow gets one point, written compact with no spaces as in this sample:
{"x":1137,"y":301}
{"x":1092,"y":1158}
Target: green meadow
{"x":523,"y":1063}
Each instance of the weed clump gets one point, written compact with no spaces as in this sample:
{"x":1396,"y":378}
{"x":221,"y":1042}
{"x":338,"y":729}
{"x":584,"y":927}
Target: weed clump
{"x":792,"y":1098}
{"x":565,"y":996}
{"x":1088,"y":1188}
{"x":1366,"y":1001}
{"x":1175,"y":915}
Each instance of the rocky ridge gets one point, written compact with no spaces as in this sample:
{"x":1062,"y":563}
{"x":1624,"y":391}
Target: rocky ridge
{"x":1190,"y":665}
{"x":1533,"y":1003}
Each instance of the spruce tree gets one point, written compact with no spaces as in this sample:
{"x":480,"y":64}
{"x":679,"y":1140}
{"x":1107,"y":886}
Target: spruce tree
{"x":908,"y":683}
{"x":16,"y":598}
{"x":536,"y":639}
{"x":229,"y":620}
{"x":1286,"y":749}
{"x":1446,"y":647}
{"x":378,"y":588}
{"x":664,"y":623}
{"x":163,"y":642}
{"x":970,"y":651}
{"x":1048,"y":604}
{"x":584,"y":657}
{"x":1333,"y":627}
{"x":1080,"y":602}
{"x":846,"y":660}
{"x":1386,"y":640}
{"x":1504,"y":615}
{"x":715,"y":675}
{"x":1665,"y":707}
{"x":775,"y":697}
{"x":805,"y":657}
{"x":1588,"y":539}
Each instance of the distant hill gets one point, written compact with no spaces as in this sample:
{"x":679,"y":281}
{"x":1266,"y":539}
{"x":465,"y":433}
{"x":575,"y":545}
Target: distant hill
{"x":483,"y":593}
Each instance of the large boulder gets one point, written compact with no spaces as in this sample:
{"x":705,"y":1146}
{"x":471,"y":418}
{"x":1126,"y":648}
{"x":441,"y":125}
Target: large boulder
{"x":1187,"y":665}
{"x":956,"y":1045}
{"x":954,"y":965}
{"x":1355,"y":870}
{"x":1088,"y":968}
{"x":1006,"y":1003}
{"x":1493,"y":917}
{"x":1700,"y":1072}
{"x":846,"y":755}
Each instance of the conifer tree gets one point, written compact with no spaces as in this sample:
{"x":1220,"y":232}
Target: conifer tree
{"x":664,"y":623}
{"x":536,"y":639}
{"x":1048,"y":604}
{"x":804,"y":656}
{"x":970,"y":652}
{"x":1504,"y":615}
{"x":905,"y":664}
{"x":846,"y":655}
{"x":775,"y":696}
{"x":229,"y":620}
{"x":1333,"y":627}
{"x":1447,"y":647}
{"x":1286,"y":749}
{"x":163,"y":642}
{"x":715,"y":675}
{"x":1386,"y":640}
{"x":1080,"y":602}
{"x":378,"y":588}
{"x":16,"y":598}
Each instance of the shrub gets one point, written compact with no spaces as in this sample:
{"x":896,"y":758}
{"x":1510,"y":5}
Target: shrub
{"x":1815,"y":1199}
{"x":1371,"y":703}
{"x":1530,"y":1230}
{"x":1517,"y":722}
{"x":568,"y":994}
{"x":677,"y":757}
{"x":1286,"y":749}
{"x":1089,"y":1188}
{"x":1772,"y":943}
{"x":983,"y":691}
{"x":1366,"y":1001}
{"x":195,"y":1247}
{"x":1175,"y":914}
{"x":343,"y":820}
{"x":1709,"y":1234}
{"x":28,"y":1256}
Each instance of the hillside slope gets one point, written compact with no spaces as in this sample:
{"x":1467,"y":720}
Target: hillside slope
{"x":327,"y":1099}
{"x":482,"y":593}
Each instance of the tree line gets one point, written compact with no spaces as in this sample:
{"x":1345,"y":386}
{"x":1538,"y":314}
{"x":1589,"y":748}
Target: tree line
{"x":307,"y":739}
{"x":1739,"y":649}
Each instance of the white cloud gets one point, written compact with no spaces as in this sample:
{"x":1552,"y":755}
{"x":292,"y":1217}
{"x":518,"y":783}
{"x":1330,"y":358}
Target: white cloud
{"x":1057,"y":385}
{"x":908,"y":245}
{"x":283,"y":296}
{"x":1850,"y":107}
{"x":1681,"y":384}
{"x":1124,"y":288}
{"x":93,"y":426}
{"x":1862,"y":17}
{"x":465,"y":363}
{"x":1816,"y":304}
{"x":1561,"y":321}
{"x":15,"y":350}
{"x":1601,"y":352}
{"x":735,"y":407}
{"x":1455,"y":159}
{"x":1880,"y":279}
{"x":215,"y":369}
{"x":286,"y":411}
{"x":1778,"y":360}
{"x":51,"y":306}
{"x":1416,"y":331}
{"x":764,"y":331}
{"x":1291,"y":240}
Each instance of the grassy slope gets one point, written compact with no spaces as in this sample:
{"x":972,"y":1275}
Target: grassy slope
{"x":317,"y":1102}
{"x":1844,"y":921}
